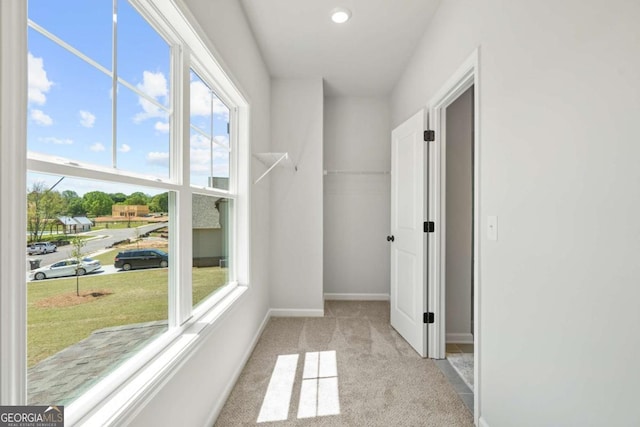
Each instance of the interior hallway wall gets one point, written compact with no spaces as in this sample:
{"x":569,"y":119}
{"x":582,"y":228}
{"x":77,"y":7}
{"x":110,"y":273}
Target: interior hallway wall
{"x":559,"y":100}
{"x":356,"y":206}
{"x":459,"y":218}
{"x":296,"y":198}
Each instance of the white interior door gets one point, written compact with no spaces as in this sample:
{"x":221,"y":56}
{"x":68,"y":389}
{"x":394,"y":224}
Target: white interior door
{"x":408,"y":262}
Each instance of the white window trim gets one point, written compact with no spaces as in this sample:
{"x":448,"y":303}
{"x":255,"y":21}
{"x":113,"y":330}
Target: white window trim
{"x":125,"y":391}
{"x":13,"y":209}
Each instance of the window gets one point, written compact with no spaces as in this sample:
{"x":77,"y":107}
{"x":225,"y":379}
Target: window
{"x":119,"y":100}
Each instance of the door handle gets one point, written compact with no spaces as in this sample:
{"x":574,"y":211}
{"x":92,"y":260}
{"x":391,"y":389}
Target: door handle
{"x":390,"y":238}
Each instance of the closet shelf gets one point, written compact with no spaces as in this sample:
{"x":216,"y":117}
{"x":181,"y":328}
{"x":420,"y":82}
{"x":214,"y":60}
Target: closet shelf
{"x":271,"y":160}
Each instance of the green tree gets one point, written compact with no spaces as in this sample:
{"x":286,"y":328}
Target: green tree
{"x":72,"y":203}
{"x":137,"y":198}
{"x":76,"y":208}
{"x":159,"y":203}
{"x":77,"y":254}
{"x":97,"y":203}
{"x":43,"y":206}
{"x":118,"y":197}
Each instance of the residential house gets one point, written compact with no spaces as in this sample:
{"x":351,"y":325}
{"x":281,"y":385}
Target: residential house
{"x":128,"y":211}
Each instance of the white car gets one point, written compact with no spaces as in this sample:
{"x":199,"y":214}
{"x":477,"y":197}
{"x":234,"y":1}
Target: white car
{"x":66,"y":267}
{"x":40,"y":248}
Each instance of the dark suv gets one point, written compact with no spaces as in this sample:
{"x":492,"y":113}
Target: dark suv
{"x":141,"y":258}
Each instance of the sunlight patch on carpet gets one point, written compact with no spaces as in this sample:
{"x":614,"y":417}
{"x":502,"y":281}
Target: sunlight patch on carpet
{"x":275,"y":406}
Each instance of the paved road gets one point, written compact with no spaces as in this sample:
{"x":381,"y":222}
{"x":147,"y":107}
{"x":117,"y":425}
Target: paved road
{"x":106,"y":269}
{"x":103,"y":239}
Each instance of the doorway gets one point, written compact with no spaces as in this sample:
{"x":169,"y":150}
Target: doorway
{"x":459,"y":235}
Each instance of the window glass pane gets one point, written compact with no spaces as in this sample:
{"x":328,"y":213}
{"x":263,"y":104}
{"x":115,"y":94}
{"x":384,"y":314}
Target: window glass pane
{"x":83,"y":322}
{"x":201,"y":105}
{"x":69,"y":105}
{"x":209,"y":137}
{"x":211,"y":254}
{"x":85,"y":25}
{"x":143,"y":135}
{"x":143,"y":56}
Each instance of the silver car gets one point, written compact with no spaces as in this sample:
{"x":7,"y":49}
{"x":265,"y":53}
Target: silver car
{"x":40,"y":248}
{"x":67,"y":267}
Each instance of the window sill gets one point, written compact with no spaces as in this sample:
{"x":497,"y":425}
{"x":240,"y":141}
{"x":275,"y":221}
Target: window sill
{"x":114,"y":402}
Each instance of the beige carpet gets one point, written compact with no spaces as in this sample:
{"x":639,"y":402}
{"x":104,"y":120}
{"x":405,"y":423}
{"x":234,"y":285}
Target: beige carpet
{"x":381,"y":381}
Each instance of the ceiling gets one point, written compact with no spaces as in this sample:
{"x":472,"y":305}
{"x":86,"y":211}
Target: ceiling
{"x":363,"y":57}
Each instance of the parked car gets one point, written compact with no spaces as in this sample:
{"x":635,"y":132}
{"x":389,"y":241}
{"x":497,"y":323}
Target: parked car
{"x":39,"y":248}
{"x":141,"y":258}
{"x":67,"y":267}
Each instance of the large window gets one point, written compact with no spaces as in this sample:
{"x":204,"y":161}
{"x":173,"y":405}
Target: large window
{"x":133,"y":135}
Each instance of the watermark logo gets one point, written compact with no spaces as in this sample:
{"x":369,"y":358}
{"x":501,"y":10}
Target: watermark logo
{"x":31,"y":416}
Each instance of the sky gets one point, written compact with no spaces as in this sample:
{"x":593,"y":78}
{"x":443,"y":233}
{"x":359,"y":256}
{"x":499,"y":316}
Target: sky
{"x":70,"y":100}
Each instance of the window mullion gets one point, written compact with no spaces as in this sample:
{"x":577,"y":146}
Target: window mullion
{"x":114,"y":86}
{"x":180,"y":234}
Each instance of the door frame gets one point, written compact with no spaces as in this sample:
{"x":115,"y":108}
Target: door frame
{"x":465,"y":76}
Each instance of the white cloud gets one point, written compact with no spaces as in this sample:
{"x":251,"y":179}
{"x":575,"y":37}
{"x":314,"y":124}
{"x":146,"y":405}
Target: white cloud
{"x":57,"y":141}
{"x":200,"y":160}
{"x":158,"y":158}
{"x":124,"y":148}
{"x":39,"y":84}
{"x":162,"y":127}
{"x":200,"y":141}
{"x":154,"y":85}
{"x":200,"y":156}
{"x":87,"y":119}
{"x":201,"y":101}
{"x":97,"y":147}
{"x":41,"y":118}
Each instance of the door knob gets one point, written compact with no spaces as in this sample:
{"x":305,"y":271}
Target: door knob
{"x":390,"y":238}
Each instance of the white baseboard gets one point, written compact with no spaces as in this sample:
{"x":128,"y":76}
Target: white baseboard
{"x":463,"y":338}
{"x":289,"y":312}
{"x":356,"y":297}
{"x":217,"y":408}
{"x":482,"y":422}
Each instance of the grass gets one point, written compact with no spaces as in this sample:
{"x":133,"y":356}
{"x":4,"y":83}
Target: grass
{"x":56,"y":237}
{"x":134,"y":297}
{"x":118,"y":224}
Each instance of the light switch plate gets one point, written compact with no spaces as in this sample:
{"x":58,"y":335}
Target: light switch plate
{"x":492,"y":227}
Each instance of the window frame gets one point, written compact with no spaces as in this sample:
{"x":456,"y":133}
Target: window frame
{"x":133,"y":383}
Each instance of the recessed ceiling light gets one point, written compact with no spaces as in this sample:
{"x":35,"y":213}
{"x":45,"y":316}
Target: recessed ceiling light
{"x":340,"y":15}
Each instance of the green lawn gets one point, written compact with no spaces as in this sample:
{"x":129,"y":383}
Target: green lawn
{"x":118,"y":224}
{"x":136,"y":297}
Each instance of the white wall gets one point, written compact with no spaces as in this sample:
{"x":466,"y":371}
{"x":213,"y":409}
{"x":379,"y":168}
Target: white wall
{"x":459,"y":218}
{"x":356,"y":207}
{"x":195,"y":391}
{"x":559,"y":101}
{"x":296,"y":198}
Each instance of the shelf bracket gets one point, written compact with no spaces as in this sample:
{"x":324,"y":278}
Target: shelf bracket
{"x":284,"y":156}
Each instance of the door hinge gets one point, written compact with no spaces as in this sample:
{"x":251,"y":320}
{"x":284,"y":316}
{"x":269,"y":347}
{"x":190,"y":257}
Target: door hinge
{"x":429,"y":317}
{"x":429,"y":226}
{"x":429,"y":135}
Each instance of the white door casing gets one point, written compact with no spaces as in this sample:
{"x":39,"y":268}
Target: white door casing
{"x":408,"y":296}
{"x":465,"y":76}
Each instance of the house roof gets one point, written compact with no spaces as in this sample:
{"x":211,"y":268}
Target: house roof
{"x":77,"y":220}
{"x":67,"y":220}
{"x":205,"y":214}
{"x":83,"y":220}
